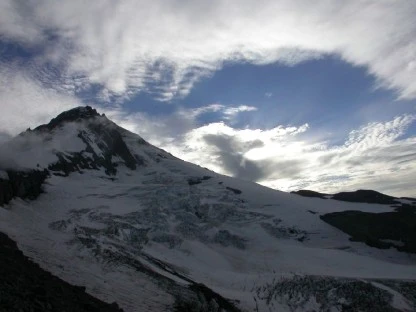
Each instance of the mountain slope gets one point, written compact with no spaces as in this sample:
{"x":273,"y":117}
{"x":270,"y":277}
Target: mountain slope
{"x":137,"y":226}
{"x":26,"y":287}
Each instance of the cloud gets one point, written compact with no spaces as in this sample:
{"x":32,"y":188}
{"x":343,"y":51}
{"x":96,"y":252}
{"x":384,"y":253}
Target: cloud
{"x":225,"y":149}
{"x":26,"y":103}
{"x":227,"y":111}
{"x":229,"y":153}
{"x":376,"y":156}
{"x":164,"y":48}
{"x":231,"y":112}
{"x":161,"y":130}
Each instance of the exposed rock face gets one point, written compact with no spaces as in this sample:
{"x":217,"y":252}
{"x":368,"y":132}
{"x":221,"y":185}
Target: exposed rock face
{"x":381,"y":230}
{"x":24,"y":286}
{"x":21,"y":184}
{"x":103,"y":140}
{"x":109,"y":142}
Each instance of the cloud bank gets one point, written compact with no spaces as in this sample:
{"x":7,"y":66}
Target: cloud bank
{"x":163,"y":48}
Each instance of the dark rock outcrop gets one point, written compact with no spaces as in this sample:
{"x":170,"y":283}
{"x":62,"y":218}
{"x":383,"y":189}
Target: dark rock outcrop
{"x":75,"y":114}
{"x":360,"y":196}
{"x":203,"y":300}
{"x":234,"y":190}
{"x":110,"y":143}
{"x":366,"y":196}
{"x":103,"y":140}
{"x":21,"y":184}
{"x":309,"y":193}
{"x":198,"y":180}
{"x":345,"y":294}
{"x":25,"y":287}
{"x":381,"y":230}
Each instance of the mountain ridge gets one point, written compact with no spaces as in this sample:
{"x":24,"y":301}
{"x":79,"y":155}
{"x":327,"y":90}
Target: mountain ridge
{"x":358,"y":196}
{"x":74,"y":114}
{"x":165,"y":234}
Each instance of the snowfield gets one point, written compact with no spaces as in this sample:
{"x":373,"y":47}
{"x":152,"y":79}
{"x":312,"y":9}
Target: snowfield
{"x":143,"y":236}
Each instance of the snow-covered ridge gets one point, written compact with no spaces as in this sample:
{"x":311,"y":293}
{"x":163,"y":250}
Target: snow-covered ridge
{"x":76,"y":140}
{"x":140,"y":227}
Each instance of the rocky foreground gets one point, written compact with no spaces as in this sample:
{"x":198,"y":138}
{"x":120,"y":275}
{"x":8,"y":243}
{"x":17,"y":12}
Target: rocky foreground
{"x":24,"y":286}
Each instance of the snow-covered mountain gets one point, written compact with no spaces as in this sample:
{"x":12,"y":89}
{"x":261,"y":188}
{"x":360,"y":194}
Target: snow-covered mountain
{"x":98,"y":206}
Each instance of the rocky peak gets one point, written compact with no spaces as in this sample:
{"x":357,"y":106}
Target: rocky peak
{"x":75,"y":114}
{"x":76,"y":140}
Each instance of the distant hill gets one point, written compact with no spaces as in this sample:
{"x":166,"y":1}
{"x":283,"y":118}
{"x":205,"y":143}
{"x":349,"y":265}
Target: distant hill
{"x":309,"y":193}
{"x":359,"y":196}
{"x":366,"y":196}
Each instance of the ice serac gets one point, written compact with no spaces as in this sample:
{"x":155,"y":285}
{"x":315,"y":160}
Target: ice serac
{"x":137,"y":226}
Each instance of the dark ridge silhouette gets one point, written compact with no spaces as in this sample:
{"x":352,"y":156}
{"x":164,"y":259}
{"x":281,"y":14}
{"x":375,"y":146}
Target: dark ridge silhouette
{"x":366,"y":196}
{"x":309,"y":193}
{"x":24,"y":286}
{"x":78,"y":113}
{"x":359,"y":196}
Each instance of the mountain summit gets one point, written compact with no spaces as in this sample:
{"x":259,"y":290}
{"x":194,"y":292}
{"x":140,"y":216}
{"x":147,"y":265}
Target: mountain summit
{"x":75,"y":114}
{"x":80,"y":139}
{"x":137,"y":226}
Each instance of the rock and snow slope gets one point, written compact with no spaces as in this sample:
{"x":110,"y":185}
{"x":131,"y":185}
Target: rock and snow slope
{"x":135,"y":225}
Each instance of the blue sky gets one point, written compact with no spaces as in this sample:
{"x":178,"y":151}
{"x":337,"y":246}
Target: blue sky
{"x":329,"y":94}
{"x":326,"y":93}
{"x":284,"y":93}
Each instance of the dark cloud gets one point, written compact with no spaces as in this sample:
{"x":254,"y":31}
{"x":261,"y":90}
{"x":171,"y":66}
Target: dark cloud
{"x":283,"y":169}
{"x":230,"y":152}
{"x":326,"y":159}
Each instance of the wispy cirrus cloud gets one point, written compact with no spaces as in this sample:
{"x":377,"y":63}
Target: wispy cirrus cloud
{"x":163,"y":48}
{"x":161,"y":130}
{"x":27,"y":103}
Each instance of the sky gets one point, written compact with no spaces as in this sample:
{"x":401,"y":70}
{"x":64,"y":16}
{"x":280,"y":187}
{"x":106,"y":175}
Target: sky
{"x":291,"y":94}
